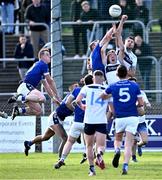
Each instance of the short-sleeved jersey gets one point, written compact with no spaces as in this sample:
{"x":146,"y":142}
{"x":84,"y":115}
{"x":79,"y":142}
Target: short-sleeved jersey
{"x":144,"y":97}
{"x":78,"y":112}
{"x":130,"y":59}
{"x":111,"y":73}
{"x":63,"y":111}
{"x":96,"y":107}
{"x":36,"y":73}
{"x":125,"y":94}
{"x":96,"y":59}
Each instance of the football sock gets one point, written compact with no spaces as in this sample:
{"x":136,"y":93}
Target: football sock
{"x":117,"y":150}
{"x":125,"y":166}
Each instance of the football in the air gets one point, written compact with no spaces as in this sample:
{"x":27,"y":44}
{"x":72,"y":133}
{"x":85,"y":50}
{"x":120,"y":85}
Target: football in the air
{"x":115,"y":10}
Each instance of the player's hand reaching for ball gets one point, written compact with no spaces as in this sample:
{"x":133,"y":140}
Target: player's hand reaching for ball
{"x":124,"y":18}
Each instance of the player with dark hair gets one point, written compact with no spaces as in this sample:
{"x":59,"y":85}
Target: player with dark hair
{"x":125,"y":94}
{"x":27,"y":91}
{"x":126,"y":56}
{"x":77,"y":126}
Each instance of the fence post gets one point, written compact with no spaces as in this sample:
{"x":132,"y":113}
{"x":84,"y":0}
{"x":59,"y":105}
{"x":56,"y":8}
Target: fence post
{"x":56,"y":54}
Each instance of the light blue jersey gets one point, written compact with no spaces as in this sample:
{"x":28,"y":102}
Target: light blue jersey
{"x":125,"y":94}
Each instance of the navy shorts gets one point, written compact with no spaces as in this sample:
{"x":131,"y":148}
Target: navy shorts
{"x":90,"y":129}
{"x":55,"y":119}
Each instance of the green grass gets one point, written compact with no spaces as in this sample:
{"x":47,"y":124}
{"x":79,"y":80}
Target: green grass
{"x":156,"y":28}
{"x":40,"y":166}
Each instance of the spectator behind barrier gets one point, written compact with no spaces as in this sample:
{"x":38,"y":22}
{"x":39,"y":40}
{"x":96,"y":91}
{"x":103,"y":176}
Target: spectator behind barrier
{"x":145,"y":65}
{"x":87,"y":15}
{"x":37,"y":13}
{"x":24,"y":4}
{"x":127,"y":9}
{"x":75,"y":11}
{"x":23,"y":49}
{"x":141,"y":13}
{"x":7,"y":12}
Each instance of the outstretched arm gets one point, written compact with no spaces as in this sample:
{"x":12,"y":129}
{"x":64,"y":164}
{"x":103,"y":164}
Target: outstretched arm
{"x":119,"y":40}
{"x":51,"y":89}
{"x":104,"y":43}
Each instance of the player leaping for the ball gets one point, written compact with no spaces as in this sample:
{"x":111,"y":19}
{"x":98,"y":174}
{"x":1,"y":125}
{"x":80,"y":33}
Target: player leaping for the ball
{"x":126,"y":56}
{"x":27,"y":91}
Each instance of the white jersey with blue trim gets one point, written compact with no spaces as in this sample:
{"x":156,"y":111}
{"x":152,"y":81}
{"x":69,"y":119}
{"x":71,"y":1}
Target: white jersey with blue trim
{"x":111,"y":73}
{"x":96,"y":108}
{"x":129,"y":60}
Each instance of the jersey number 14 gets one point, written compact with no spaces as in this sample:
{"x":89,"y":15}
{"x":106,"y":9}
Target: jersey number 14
{"x":96,"y":101}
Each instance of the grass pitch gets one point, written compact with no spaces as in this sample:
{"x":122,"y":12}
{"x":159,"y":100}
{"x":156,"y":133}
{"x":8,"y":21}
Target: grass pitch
{"x":40,"y":166}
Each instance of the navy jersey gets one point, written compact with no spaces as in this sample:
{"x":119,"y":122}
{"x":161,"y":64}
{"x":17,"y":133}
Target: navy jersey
{"x":125,"y":94}
{"x":78,"y":112}
{"x":36,"y":73}
{"x":63,"y":111}
{"x":97,"y":59}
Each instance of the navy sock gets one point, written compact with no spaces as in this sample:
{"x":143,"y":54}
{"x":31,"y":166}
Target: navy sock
{"x":30,"y":143}
{"x":133,"y":156}
{"x":125,"y":166}
{"x":91,"y":167}
{"x":117,"y":150}
{"x":23,"y":110}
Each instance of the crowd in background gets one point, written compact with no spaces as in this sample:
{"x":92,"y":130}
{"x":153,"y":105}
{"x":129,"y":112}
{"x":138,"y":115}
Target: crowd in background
{"x":38,"y":11}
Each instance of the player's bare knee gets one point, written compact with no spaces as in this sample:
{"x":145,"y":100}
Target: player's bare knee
{"x":71,"y":140}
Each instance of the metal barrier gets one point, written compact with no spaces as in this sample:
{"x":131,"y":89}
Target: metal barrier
{"x":15,"y":24}
{"x":15,"y":59}
{"x":148,"y":26}
{"x":160,"y":72}
{"x":157,"y":77}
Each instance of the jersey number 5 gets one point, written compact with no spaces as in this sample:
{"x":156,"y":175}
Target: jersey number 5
{"x":124,"y":95}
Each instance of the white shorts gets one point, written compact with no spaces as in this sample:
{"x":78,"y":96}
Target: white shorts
{"x":126,"y":124}
{"x":53,"y":119}
{"x":76,"y":129}
{"x":24,"y":89}
{"x":142,"y":118}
